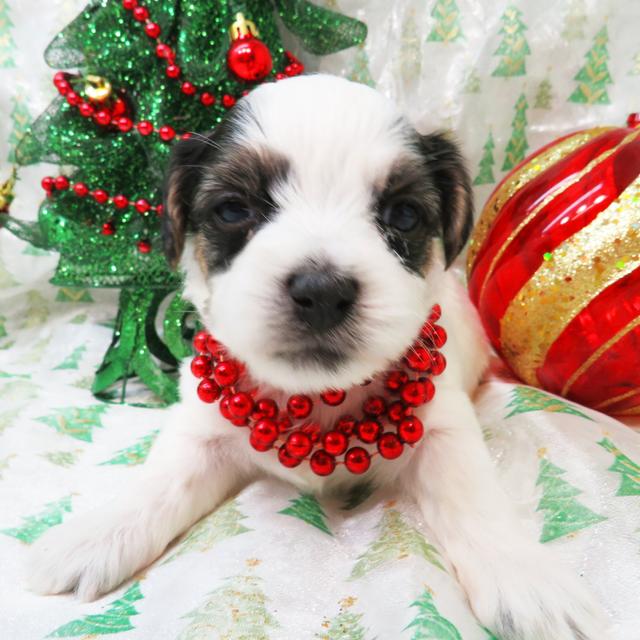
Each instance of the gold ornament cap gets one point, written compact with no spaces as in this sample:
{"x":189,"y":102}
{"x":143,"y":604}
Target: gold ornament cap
{"x":241,"y":28}
{"x":6,"y":191}
{"x":97,"y":88}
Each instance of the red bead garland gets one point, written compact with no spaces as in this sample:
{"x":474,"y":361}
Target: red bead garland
{"x":272,"y":427}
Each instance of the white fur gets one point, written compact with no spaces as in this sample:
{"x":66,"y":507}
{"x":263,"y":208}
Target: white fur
{"x":515,"y":586}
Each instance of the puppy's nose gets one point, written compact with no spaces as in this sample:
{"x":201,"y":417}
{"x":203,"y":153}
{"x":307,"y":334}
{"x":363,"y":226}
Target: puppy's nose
{"x":322,"y":298}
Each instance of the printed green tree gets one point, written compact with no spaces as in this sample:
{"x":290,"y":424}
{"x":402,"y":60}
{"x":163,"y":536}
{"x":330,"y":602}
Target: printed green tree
{"x":517,"y":146}
{"x":360,"y":71}
{"x":135,"y":454}
{"x":563,"y":514}
{"x":34,"y":526}
{"x":428,"y":623}
{"x":410,"y":49}
{"x":526,"y":399}
{"x":237,"y":610}
{"x":4,"y":463}
{"x":447,"y":23}
{"x":20,"y":118}
{"x":64,"y":459}
{"x":594,"y":76}
{"x":627,"y":468}
{"x":514,"y":47}
{"x":37,"y":310}
{"x":472,"y":82}
{"x":307,"y":508}
{"x":635,"y":70}
{"x":67,"y":294}
{"x":7,"y":45}
{"x":395,"y":540}
{"x":225,"y":522}
{"x":115,"y":619}
{"x":73,"y":359}
{"x":485,"y":172}
{"x":575,"y":20}
{"x":347,"y":625}
{"x":8,"y":418}
{"x":6,"y":279}
{"x":3,"y":329}
{"x":76,"y":422}
{"x":544,"y":95}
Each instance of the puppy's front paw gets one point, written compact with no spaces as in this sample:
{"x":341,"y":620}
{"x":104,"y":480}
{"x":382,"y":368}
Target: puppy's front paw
{"x":87,"y":555}
{"x":529,"y":596}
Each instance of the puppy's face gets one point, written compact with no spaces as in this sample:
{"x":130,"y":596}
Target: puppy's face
{"x":316,"y":222}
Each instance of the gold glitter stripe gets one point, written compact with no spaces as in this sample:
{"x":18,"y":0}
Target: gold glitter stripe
{"x":520,"y":179}
{"x":595,"y":356}
{"x":552,"y":196}
{"x":581,"y":268}
{"x":618,"y":398}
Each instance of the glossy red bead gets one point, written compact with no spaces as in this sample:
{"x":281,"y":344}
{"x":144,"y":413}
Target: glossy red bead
{"x":144,"y":127}
{"x":633,"y":120}
{"x":129,"y":5}
{"x":287,"y":459}
{"x":240,"y":404}
{"x":100,"y":196}
{"x":298,"y":444}
{"x":333,"y":397}
{"x":48,"y":183}
{"x":144,"y":246}
{"x":357,"y":460}
{"x":284,"y":424}
{"x":81,"y":189}
{"x":438,"y":363}
{"x":152,"y":29}
{"x":200,"y":341}
{"x":188,"y":88}
{"x":164,"y":51}
{"x":429,"y":388}
{"x":213,"y":345}
{"x":280,"y":76}
{"x":159,"y":209}
{"x":73,"y":98}
{"x":166,"y":132}
{"x":226,"y":373}
{"x":124,"y":124}
{"x":208,"y":391}
{"x":142,"y":206}
{"x":265,"y":408}
{"x":207,"y":99}
{"x":299,"y":406}
{"x":435,"y":336}
{"x":418,"y":358}
{"x":62,"y":183}
{"x":346,"y":424}
{"x":59,"y":76}
{"x":173,"y":71}
{"x":368,"y":431}
{"x":201,"y":366}
{"x":335,"y":442}
{"x":140,"y":13}
{"x":63,"y":87}
{"x":396,"y":412}
{"x":224,"y":408}
{"x":322,"y":463}
{"x":264,"y":434}
{"x":436,"y":313}
{"x":395,"y":380}
{"x":119,"y":108}
{"x":414,"y":393}
{"x":390,"y":446}
{"x":120,"y":201}
{"x":102,"y":117}
{"x":228,"y":101}
{"x":313,"y":431}
{"x":410,"y":430}
{"x":108,"y":229}
{"x":86,"y":110}
{"x":374,"y":406}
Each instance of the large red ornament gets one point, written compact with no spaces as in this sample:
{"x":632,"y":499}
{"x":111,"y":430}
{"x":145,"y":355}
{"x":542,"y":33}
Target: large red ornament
{"x":248,"y":58}
{"x":554,"y":268}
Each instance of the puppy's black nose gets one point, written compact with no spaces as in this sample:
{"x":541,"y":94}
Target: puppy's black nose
{"x":322,"y":298}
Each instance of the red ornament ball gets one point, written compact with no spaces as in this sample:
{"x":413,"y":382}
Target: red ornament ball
{"x":357,"y":460}
{"x":298,"y":444}
{"x":240,"y":404}
{"x":396,"y":412}
{"x":188,"y":88}
{"x":333,"y":397}
{"x":124,"y":124}
{"x":438,"y":363}
{"x":129,"y":5}
{"x":335,"y":442}
{"x":86,"y":110}
{"x":164,"y":51}
{"x":249,"y":59}
{"x":389,"y":446}
{"x":418,"y":358}
{"x":207,"y":99}
{"x":120,"y":201}
{"x":81,"y":189}
{"x":208,"y":391}
{"x":368,"y":431}
{"x":286,"y":459}
{"x":48,"y":183}
{"x":108,"y":229}
{"x":411,"y":430}
{"x":322,"y":463}
{"x":414,"y":393}
{"x":142,"y":206}
{"x":226,"y":373}
{"x":263,"y":434}
{"x":201,"y":366}
{"x":436,"y":313}
{"x":299,"y":406}
{"x":140,"y":13}
{"x":200,"y":340}
{"x":73,"y":98}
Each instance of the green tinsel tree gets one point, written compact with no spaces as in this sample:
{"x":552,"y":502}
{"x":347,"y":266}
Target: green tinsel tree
{"x":514,"y":47}
{"x":121,"y":107}
{"x":594,"y":76}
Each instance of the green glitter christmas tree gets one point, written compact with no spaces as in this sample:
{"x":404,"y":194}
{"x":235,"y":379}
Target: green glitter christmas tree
{"x":485,"y":173}
{"x":514,"y":47}
{"x":594,"y":76}
{"x":517,"y":146}
{"x":142,"y":77}
{"x":447,"y":23}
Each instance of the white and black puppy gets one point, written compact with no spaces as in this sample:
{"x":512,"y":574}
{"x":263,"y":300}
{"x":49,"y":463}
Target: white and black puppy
{"x":315,"y":227}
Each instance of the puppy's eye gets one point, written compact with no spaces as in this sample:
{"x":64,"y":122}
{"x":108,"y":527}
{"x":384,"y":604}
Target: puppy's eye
{"x":401,"y":216}
{"x":234,"y":213}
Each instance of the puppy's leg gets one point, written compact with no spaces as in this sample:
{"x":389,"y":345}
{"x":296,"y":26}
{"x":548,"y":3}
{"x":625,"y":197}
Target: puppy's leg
{"x":185,"y":477}
{"x":515,"y":586}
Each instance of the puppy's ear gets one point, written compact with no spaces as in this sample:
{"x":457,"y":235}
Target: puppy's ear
{"x":447,"y":167}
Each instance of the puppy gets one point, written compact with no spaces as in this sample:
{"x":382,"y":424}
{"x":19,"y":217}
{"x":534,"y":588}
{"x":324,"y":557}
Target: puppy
{"x":315,"y":228}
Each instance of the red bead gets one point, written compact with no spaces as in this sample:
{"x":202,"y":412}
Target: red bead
{"x":108,"y":229}
{"x":207,"y":99}
{"x":152,"y":29}
{"x":240,"y":404}
{"x":167,"y":133}
{"x":313,"y":431}
{"x":63,"y":87}
{"x":280,"y":76}
{"x":144,"y":246}
{"x":224,"y":408}
{"x":357,"y":460}
{"x":81,"y":189}
{"x":124,"y":124}
{"x":129,"y":5}
{"x":226,"y":373}
{"x":188,"y":88}
{"x":120,"y":201}
{"x":299,"y":406}
{"x":284,"y":424}
{"x":322,"y":463}
{"x":298,"y":444}
{"x":142,"y":206}
{"x":418,"y":358}
{"x":335,"y":442}
{"x":410,"y":430}
{"x":228,"y":101}
{"x":438,"y":363}
{"x":368,"y":431}
{"x":396,"y":412}
{"x":62,"y":182}
{"x":119,"y":108}
{"x":633,"y":120}
{"x":102,"y":117}
{"x":346,"y":424}
{"x":140,"y":13}
{"x":59,"y":76}
{"x":249,"y":59}
{"x":164,"y":50}
{"x":436,"y":313}
{"x":414,"y":393}
{"x":48,"y":183}
{"x":395,"y":380}
{"x":73,"y":98}
{"x":263,"y":435}
{"x":208,"y":391}
{"x":286,"y":459}
{"x":265,"y":408}
{"x":100,"y":195}
{"x":200,"y":339}
{"x":333,"y":397}
{"x":173,"y":71}
{"x":429,"y":388}
{"x":435,"y":335}
{"x":374,"y":406}
{"x":86,"y":110}
{"x":159,"y":209}
{"x":144,"y":127}
{"x":213,"y":345}
{"x":389,"y":446}
{"x":201,"y":366}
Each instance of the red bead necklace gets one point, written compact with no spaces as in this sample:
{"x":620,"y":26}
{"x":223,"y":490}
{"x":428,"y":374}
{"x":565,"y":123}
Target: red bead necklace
{"x":408,"y":386}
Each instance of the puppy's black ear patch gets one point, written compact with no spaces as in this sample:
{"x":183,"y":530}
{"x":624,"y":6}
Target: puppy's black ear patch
{"x":452,"y":181}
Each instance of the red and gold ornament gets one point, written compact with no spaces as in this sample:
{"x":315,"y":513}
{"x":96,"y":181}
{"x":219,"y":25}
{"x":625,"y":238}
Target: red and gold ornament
{"x":248,"y":58}
{"x":292,"y":432}
{"x":554,"y":268}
